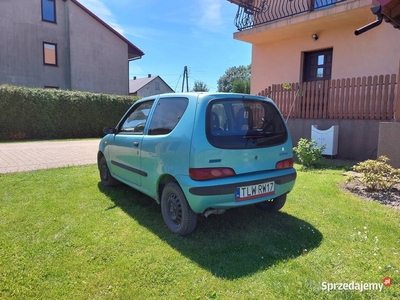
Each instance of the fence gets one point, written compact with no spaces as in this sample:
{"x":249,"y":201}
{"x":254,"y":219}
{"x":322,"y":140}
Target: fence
{"x":366,"y":98}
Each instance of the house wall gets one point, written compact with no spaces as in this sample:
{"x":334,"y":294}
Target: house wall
{"x":358,"y":139}
{"x":388,"y":143}
{"x":96,"y":61}
{"x":99,"y":59}
{"x":371,"y":53}
{"x":278,"y":51}
{"x":21,"y":38}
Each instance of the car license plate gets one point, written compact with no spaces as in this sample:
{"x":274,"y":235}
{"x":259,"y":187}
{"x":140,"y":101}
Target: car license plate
{"x":255,"y":191}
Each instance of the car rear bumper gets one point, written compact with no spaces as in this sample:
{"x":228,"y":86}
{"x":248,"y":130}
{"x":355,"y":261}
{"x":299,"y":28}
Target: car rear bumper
{"x":221,"y":193}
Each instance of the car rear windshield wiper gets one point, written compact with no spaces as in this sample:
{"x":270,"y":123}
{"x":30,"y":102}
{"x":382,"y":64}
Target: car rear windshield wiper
{"x":262,"y":135}
{"x":263,"y":139}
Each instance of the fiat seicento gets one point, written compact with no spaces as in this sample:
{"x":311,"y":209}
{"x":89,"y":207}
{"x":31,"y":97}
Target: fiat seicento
{"x":200,"y":153}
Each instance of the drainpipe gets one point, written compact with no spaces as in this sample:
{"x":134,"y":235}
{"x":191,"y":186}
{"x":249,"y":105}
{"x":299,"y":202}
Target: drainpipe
{"x":376,"y":11}
{"x":68,"y":79}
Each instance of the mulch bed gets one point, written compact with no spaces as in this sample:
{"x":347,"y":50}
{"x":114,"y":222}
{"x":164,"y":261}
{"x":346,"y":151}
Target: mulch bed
{"x":388,"y":198}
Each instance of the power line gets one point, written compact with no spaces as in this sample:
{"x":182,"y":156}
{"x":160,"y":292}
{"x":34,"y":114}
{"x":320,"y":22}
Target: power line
{"x":177,"y":82}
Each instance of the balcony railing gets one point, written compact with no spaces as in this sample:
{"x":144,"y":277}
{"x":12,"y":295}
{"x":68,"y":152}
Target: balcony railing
{"x":367,"y":98}
{"x":252,"y":13}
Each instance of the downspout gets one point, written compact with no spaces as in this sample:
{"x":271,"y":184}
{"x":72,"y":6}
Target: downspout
{"x":376,"y":11}
{"x":68,"y":76}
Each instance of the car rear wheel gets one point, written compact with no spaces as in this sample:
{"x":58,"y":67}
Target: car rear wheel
{"x":273,"y":204}
{"x":176,"y":212}
{"x":105,"y":176}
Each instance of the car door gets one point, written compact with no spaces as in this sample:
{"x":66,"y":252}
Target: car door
{"x":125,"y":151}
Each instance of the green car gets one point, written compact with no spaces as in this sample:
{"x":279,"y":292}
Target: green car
{"x":201,"y":153}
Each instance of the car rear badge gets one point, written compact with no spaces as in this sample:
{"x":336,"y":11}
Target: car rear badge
{"x":283,"y":152}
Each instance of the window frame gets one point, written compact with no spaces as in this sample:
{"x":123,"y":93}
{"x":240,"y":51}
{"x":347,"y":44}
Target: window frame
{"x":54,"y":11}
{"x":311,"y":69}
{"x":137,"y":107}
{"x":44,"y":54}
{"x":177,"y":107}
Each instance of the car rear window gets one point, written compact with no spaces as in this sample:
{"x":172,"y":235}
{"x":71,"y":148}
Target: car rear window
{"x":242,"y":123}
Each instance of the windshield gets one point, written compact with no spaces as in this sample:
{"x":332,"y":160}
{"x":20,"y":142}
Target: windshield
{"x":241,"y":123}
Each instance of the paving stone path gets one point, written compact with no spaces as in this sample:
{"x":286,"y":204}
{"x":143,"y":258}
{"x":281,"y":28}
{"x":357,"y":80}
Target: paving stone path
{"x":30,"y":156}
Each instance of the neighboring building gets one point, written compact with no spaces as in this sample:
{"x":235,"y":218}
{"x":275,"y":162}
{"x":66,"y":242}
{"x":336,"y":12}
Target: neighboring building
{"x":303,"y":40}
{"x":61,"y":44}
{"x":151,"y":85}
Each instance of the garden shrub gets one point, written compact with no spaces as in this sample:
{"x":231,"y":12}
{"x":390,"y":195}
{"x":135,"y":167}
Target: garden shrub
{"x":308,"y":152}
{"x":35,"y":113}
{"x":377,"y":175}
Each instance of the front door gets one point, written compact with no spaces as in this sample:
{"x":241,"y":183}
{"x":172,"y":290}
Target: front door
{"x":125,"y":152}
{"x":317,"y":65}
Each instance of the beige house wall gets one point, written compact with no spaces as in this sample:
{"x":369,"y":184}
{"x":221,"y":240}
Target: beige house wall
{"x":371,"y":53}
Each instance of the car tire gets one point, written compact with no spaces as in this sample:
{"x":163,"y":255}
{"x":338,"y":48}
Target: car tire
{"x":177,"y":214}
{"x":273,"y":204}
{"x":105,"y":175}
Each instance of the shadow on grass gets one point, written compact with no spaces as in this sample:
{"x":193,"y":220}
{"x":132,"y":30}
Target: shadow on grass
{"x":233,"y":245}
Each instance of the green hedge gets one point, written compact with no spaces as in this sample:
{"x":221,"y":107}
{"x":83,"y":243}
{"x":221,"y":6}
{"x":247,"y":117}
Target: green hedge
{"x":33,"y":113}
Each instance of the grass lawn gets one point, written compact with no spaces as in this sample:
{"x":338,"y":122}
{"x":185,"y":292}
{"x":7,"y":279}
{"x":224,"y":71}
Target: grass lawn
{"x":64,"y":236}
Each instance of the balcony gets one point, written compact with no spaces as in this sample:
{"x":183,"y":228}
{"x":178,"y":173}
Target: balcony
{"x":260,"y":21}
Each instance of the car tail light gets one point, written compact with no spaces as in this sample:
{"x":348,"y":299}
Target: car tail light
{"x":284,"y":164}
{"x":210,"y":173}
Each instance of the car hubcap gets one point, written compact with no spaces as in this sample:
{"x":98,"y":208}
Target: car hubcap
{"x":174,"y":209}
{"x":104,"y":172}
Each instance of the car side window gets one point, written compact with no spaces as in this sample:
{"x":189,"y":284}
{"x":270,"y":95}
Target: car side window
{"x":167,"y":114}
{"x":136,"y":120}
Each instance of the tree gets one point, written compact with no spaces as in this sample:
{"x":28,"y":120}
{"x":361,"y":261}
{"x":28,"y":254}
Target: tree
{"x":225,"y":82}
{"x":241,"y":86}
{"x":200,"y":86}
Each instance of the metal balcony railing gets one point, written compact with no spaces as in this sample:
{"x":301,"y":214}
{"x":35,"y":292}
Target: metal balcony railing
{"x":252,"y":13}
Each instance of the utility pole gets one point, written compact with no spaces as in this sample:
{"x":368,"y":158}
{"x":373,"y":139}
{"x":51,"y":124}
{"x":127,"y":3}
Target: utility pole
{"x":185,"y":77}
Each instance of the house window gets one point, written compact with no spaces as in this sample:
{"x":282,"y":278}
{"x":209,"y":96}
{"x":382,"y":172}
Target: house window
{"x":50,"y":54}
{"x":157,"y":86}
{"x":317,"y":65}
{"x":319,"y":4}
{"x":49,"y":10}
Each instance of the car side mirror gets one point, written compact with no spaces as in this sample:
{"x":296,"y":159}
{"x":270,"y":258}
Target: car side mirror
{"x":109,"y":130}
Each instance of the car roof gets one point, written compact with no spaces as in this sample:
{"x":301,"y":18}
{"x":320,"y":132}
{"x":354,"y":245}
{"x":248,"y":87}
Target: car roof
{"x":205,"y":95}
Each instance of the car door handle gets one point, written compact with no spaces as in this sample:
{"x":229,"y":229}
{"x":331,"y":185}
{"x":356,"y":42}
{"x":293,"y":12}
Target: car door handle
{"x":135,"y":144}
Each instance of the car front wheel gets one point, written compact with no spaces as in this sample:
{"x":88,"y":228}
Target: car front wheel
{"x":176,"y":212}
{"x":273,"y":204}
{"x":105,"y":176}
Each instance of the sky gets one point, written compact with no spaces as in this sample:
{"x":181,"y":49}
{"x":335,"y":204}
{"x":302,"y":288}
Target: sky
{"x":177,"y":33}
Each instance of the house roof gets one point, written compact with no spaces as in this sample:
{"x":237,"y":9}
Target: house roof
{"x":137,"y":84}
{"x":133,"y":51}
